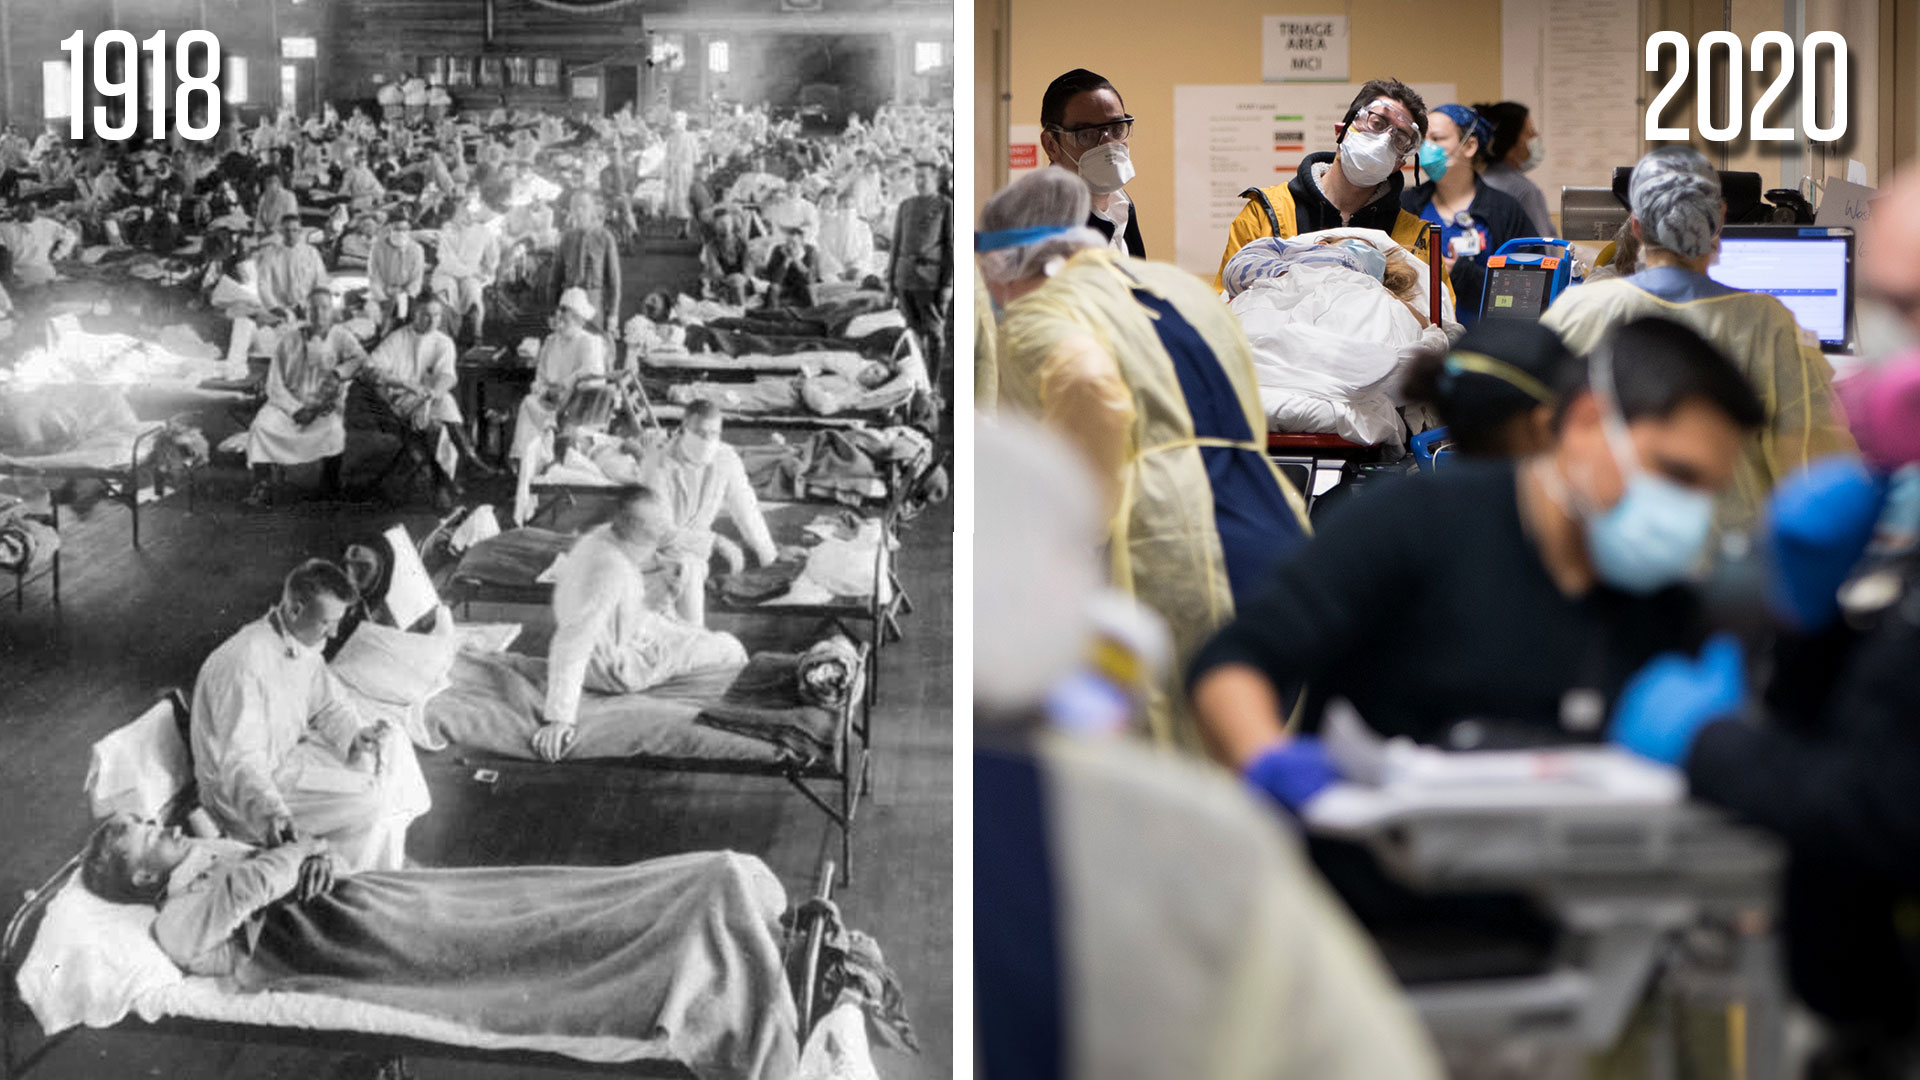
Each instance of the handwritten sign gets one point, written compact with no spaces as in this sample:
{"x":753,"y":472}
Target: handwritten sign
{"x":1845,"y":204}
{"x":1304,"y":48}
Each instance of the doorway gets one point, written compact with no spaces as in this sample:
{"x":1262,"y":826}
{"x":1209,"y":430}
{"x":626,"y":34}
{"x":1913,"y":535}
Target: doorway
{"x":623,"y":87}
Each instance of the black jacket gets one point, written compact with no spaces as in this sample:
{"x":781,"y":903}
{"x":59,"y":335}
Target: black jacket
{"x":1134,"y":247}
{"x":1505,"y":220}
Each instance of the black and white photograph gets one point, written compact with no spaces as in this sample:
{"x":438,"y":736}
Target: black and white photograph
{"x":477,"y":538}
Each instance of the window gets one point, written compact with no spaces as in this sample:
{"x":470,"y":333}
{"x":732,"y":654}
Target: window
{"x":546,"y":72}
{"x":299,"y":48}
{"x":928,"y":55}
{"x":290,"y":87}
{"x":236,"y":80}
{"x":718,"y":61}
{"x":53,"y":90}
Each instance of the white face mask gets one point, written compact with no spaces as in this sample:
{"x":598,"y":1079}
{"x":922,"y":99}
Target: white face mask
{"x":1536,"y":153}
{"x":1106,"y":168}
{"x":1368,"y":159}
{"x":698,"y":449}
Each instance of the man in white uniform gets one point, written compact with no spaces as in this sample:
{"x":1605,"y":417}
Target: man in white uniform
{"x":569,"y":355}
{"x":303,"y":418}
{"x":469,"y":256}
{"x":413,"y":374}
{"x":290,"y":270}
{"x":701,"y":478}
{"x":279,"y":751}
{"x":396,"y":269}
{"x":607,"y":637}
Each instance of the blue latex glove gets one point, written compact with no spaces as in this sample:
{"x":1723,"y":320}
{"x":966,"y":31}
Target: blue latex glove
{"x":1293,"y":772}
{"x":1667,"y":702}
{"x":1819,"y":523}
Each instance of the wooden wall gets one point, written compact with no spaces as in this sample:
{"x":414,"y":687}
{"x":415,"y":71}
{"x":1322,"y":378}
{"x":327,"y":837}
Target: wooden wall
{"x":359,"y":39}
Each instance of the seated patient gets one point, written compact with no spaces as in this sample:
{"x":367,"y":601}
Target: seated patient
{"x":567,"y":951}
{"x":701,"y":478}
{"x":303,"y":418}
{"x":568,"y":355}
{"x":279,"y":750}
{"x":607,"y":637}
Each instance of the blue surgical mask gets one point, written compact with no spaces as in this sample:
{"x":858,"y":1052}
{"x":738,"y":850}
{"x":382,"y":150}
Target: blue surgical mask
{"x":1653,"y":537}
{"x":1372,"y":262}
{"x":1433,"y":159}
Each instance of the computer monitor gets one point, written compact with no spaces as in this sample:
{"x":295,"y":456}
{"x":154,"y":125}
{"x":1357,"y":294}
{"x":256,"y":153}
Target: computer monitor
{"x":1809,"y":268}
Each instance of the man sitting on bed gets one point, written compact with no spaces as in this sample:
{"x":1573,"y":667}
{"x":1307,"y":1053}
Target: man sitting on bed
{"x":280,"y":751}
{"x":702,"y":478}
{"x":607,"y":636}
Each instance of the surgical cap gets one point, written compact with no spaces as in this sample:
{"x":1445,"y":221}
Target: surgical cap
{"x":1045,"y":198}
{"x":1469,"y":122}
{"x":1036,"y":567}
{"x":1883,"y":409}
{"x":1270,"y":256}
{"x":1675,"y":194}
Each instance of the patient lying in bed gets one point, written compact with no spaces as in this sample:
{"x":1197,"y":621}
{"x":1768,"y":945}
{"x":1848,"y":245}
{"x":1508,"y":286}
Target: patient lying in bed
{"x":591,"y":952}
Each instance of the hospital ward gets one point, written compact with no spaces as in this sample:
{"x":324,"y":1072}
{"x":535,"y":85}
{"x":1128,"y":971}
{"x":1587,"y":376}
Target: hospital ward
{"x":476,"y":540}
{"x":1446,"y":550}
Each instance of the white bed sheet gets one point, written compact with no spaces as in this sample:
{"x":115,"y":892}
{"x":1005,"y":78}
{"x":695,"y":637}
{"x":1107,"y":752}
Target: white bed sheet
{"x":202,"y":998}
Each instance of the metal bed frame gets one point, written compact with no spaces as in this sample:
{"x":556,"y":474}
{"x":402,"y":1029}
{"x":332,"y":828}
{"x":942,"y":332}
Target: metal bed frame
{"x":851,"y":767}
{"x":25,"y":922}
{"x":122,"y":486}
{"x":881,"y":618}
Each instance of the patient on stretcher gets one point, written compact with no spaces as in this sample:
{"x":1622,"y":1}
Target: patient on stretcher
{"x":591,"y":952}
{"x":1333,"y":318}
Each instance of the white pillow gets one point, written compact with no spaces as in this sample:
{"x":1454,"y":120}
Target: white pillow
{"x":91,"y":960}
{"x":139,"y":767}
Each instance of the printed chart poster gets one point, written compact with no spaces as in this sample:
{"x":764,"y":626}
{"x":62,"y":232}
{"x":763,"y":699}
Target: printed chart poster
{"x":1227,"y":139}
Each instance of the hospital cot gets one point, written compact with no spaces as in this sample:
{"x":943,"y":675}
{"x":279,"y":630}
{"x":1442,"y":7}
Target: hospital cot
{"x":203,"y":1008}
{"x":506,"y":570}
{"x":123,"y":461}
{"x":661,"y":729}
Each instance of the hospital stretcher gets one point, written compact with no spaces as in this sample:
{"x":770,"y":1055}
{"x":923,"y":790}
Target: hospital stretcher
{"x":202,"y":1008}
{"x":506,"y":570}
{"x":1611,"y":848}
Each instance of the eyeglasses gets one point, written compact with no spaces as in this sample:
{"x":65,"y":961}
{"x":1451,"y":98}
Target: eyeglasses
{"x":1377,"y":121}
{"x":1086,"y":138}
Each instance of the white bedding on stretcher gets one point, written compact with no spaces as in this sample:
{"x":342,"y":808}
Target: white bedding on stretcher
{"x":1330,"y":345}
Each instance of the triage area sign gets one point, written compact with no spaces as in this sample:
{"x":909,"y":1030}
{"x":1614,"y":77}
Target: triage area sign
{"x":1304,"y":48}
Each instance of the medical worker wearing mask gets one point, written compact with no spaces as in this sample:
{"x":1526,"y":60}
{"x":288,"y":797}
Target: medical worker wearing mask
{"x":1356,"y":185}
{"x":1084,"y":128}
{"x":1513,"y":149}
{"x":1150,"y":377}
{"x":1517,"y":595}
{"x":1474,"y":218}
{"x":1677,"y":215}
{"x":702,"y":478}
{"x":1828,"y":756}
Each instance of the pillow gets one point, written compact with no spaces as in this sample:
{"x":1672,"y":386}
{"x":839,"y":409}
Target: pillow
{"x":91,"y":961}
{"x":139,"y":767}
{"x":395,"y":666}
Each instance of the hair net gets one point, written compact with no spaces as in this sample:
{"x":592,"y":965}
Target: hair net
{"x":1036,"y":568}
{"x":1042,"y":198}
{"x":1469,"y":122}
{"x":1270,"y":256}
{"x":1675,"y":194}
{"x":1883,"y":408}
